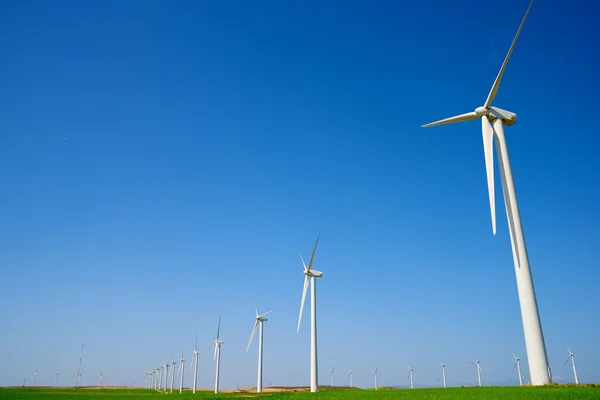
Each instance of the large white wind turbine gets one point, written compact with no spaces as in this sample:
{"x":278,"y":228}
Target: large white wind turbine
{"x":518,"y":367}
{"x":476,"y":362}
{"x":410,"y":375}
{"x":258,"y":321}
{"x":493,"y":120}
{"x":195,"y":359}
{"x":331,"y":380}
{"x":172,"y":373}
{"x":217,"y":356}
{"x":181,"y":371}
{"x":313,"y":275}
{"x":443,"y":366}
{"x":572,"y":357}
{"x":350,"y":374}
{"x":375,"y":374}
{"x":34,"y":375}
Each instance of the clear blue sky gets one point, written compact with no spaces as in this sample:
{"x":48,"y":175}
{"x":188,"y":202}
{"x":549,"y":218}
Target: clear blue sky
{"x":162,"y":162}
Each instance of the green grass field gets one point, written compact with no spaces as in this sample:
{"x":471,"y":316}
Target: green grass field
{"x":492,"y":393}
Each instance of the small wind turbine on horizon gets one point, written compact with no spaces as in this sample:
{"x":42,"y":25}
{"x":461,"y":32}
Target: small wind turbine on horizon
{"x":410,"y":375}
{"x":195,"y":360}
{"x":375,"y":375}
{"x":443,"y":367}
{"x":173,"y":363}
{"x":100,"y":382}
{"x":476,"y":362}
{"x":493,"y":120}
{"x":350,"y":374}
{"x":331,"y":379}
{"x":34,"y":375}
{"x":311,"y":275}
{"x":55,"y":379}
{"x":572,"y":357}
{"x":166,"y":375}
{"x":517,"y":365}
{"x":78,"y":381}
{"x":258,"y":321}
{"x":217,"y":345}
{"x":181,"y":371}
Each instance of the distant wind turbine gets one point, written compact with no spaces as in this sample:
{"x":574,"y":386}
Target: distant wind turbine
{"x":493,"y":120}
{"x":166,"y":376}
{"x":572,"y":357}
{"x":173,"y":363}
{"x":100,"y":382}
{"x":258,"y":321}
{"x":181,"y":371}
{"x":33,"y":380}
{"x":79,"y":367}
{"x":195,"y":359}
{"x":313,"y":275}
{"x":55,"y":379}
{"x":476,"y":362}
{"x":331,"y":371}
{"x":350,"y":374}
{"x":410,"y":375}
{"x":517,"y":365}
{"x":217,"y":356}
{"x":375,"y":374}
{"x":443,"y":366}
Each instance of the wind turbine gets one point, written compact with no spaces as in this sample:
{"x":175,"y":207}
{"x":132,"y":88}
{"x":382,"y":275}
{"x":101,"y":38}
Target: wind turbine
{"x":33,"y":380}
{"x":443,"y":366}
{"x":350,"y":374}
{"x":79,"y":367}
{"x":312,"y":274}
{"x":166,"y":375}
{"x":160,"y":376}
{"x":172,"y":373}
{"x":331,"y":371}
{"x":195,"y":358}
{"x":217,"y":356}
{"x":518,"y":367}
{"x":410,"y":375}
{"x":181,"y":371}
{"x":55,"y":379}
{"x":375,"y":374}
{"x":100,"y":383}
{"x":493,"y":120}
{"x":476,"y":362}
{"x":258,"y":321}
{"x":572,"y":357}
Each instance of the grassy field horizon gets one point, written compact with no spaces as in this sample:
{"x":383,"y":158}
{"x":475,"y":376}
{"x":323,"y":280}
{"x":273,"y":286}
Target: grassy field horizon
{"x":554,"y":392}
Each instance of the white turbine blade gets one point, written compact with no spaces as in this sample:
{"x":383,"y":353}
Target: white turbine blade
{"x":215,"y":355}
{"x":488,"y":150}
{"x":514,"y":356}
{"x":303,"y":263}
{"x":567,"y":360}
{"x":268,"y":312}
{"x":312,"y":257}
{"x":570,"y":352}
{"x":218,"y":327}
{"x":252,"y":336}
{"x":256,"y":309}
{"x":470,"y":116}
{"x":494,"y":90}
{"x":302,"y":302}
{"x":196,"y":344}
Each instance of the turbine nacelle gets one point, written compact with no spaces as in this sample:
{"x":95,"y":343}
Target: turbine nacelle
{"x":313,"y":273}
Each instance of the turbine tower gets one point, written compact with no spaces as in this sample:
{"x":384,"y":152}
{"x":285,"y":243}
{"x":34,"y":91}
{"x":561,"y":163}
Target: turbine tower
{"x":166,"y":375}
{"x":78,"y":381}
{"x":443,"y":366}
{"x":313,"y":275}
{"x":572,"y":357}
{"x":55,"y":379}
{"x":350,"y":374}
{"x":258,"y":321}
{"x":331,"y":371}
{"x":181,"y":371}
{"x":410,"y":375}
{"x":195,"y":358}
{"x":173,"y":363}
{"x":375,"y":374}
{"x":33,"y":380}
{"x":100,"y":383}
{"x":217,"y":356}
{"x":518,"y":367}
{"x":476,"y":362}
{"x":493,"y":120}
